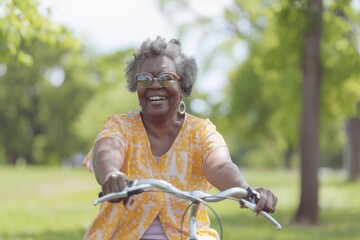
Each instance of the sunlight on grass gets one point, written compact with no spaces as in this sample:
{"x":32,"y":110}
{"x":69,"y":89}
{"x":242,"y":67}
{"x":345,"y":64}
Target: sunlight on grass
{"x":54,"y":204}
{"x":43,"y":200}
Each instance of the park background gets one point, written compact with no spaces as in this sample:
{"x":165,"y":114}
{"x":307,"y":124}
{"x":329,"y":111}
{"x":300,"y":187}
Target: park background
{"x":280,"y":79}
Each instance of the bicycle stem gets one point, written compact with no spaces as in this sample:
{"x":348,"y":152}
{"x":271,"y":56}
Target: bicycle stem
{"x":192,"y":225}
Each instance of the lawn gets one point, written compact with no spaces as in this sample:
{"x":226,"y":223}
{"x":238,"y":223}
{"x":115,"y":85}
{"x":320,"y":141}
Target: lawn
{"x":56,"y":204}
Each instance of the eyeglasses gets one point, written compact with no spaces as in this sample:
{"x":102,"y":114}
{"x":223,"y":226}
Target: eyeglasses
{"x":165,"y":79}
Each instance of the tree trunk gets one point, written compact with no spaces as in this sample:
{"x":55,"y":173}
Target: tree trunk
{"x":308,"y":211}
{"x":288,"y":156}
{"x":352,"y":157}
{"x":11,"y":157}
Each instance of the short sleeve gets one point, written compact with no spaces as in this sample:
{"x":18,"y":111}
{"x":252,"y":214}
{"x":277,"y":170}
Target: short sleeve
{"x":113,"y":128}
{"x":210,"y":139}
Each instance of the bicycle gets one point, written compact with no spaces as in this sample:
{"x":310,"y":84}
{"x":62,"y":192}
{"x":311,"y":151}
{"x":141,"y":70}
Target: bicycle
{"x":248,"y":200}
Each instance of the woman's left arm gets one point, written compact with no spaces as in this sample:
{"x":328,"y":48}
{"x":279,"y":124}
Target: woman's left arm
{"x":222,"y":173}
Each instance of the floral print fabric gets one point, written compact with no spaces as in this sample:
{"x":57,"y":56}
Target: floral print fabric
{"x":181,"y":166}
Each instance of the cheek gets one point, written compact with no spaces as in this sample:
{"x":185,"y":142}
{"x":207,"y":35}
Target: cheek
{"x":176,"y":89}
{"x":140,"y":92}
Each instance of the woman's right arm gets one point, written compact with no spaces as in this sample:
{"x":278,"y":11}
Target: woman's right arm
{"x":108,"y":158}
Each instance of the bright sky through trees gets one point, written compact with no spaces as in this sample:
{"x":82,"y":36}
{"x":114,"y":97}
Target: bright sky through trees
{"x":112,"y":25}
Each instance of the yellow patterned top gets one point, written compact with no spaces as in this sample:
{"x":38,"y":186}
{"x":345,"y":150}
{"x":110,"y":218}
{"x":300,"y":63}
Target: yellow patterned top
{"x":181,"y":166}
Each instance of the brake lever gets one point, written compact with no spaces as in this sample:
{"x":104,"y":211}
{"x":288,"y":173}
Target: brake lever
{"x":252,"y":195}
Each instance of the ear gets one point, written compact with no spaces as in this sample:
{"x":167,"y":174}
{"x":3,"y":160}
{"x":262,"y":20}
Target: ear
{"x":183,"y":94}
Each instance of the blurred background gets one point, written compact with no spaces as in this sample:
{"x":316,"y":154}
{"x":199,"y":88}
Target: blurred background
{"x":279,"y":78}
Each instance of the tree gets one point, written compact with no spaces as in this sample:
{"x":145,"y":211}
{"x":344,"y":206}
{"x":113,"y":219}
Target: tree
{"x":40,"y":102}
{"x":271,"y":31}
{"x":21,"y":23}
{"x":264,"y":91}
{"x":111,"y":95}
{"x":259,"y":122}
{"x":352,"y":151}
{"x":308,"y":210}
{"x":55,"y":94}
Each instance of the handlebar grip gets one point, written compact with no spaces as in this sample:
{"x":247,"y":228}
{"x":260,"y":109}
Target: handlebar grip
{"x":267,"y":216}
{"x":130,"y":183}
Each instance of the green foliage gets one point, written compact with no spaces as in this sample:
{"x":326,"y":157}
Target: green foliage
{"x":278,"y":70}
{"x":264,"y":91}
{"x":21,"y":24}
{"x":111,"y":96}
{"x":40,"y":102}
{"x":42,"y":74}
{"x":273,"y":64}
{"x":53,"y":203}
{"x":341,"y":64}
{"x":55,"y":108}
{"x":55,"y":95}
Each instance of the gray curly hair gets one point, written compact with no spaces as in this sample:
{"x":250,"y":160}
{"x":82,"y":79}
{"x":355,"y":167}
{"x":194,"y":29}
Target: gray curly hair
{"x":186,"y":67}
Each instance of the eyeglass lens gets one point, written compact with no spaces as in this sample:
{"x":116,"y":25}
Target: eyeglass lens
{"x":145,"y":80}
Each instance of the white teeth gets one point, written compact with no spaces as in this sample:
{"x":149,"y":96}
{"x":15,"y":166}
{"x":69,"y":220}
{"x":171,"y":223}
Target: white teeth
{"x":156,"y":98}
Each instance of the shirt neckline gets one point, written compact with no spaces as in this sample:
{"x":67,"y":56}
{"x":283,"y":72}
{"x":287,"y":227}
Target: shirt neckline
{"x":176,"y":138}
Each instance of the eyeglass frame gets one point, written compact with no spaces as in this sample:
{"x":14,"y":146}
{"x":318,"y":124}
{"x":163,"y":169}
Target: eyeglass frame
{"x":161,"y":82}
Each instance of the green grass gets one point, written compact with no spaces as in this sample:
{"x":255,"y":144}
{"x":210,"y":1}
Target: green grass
{"x":54,"y":204}
{"x":339,"y":203}
{"x":46,"y":203}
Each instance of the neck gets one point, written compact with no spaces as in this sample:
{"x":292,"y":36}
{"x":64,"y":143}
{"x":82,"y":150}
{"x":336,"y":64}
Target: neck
{"x":160,"y":127}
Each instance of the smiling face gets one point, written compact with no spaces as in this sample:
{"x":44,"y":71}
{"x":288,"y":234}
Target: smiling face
{"x":157,"y":101}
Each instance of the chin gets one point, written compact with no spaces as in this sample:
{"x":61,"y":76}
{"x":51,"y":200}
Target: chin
{"x":157,"y":113}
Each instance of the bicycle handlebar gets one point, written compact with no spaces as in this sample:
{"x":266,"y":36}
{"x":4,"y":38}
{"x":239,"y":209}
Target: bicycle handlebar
{"x":139,"y":186}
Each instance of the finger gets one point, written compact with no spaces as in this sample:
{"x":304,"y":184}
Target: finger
{"x":105,"y":188}
{"x":271,"y":201}
{"x":115,"y":182}
{"x":123,"y":183}
{"x":117,"y":185}
{"x":265,"y":202}
{"x":125,"y":201}
{"x":269,"y":206}
{"x":274,"y":203}
{"x":261,"y":203}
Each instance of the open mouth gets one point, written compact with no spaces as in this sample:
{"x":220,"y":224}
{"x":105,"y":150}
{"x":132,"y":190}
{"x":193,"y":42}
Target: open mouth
{"x":156,"y":98}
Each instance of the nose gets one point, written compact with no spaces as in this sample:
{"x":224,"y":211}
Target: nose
{"x":153,"y":85}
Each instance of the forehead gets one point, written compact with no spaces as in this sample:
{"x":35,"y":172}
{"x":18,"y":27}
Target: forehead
{"x":157,"y":64}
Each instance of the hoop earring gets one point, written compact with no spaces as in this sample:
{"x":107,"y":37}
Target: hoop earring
{"x":182,"y":107}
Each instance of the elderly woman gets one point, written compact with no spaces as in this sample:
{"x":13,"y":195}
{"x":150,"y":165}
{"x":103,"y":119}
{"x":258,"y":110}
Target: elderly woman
{"x":160,"y":141}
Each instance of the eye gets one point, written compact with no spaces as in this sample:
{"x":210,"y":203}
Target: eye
{"x":165,"y":77}
{"x":143,"y":77}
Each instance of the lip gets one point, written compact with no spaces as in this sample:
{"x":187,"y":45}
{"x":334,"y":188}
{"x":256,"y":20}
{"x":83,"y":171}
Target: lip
{"x":157,"y":98}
